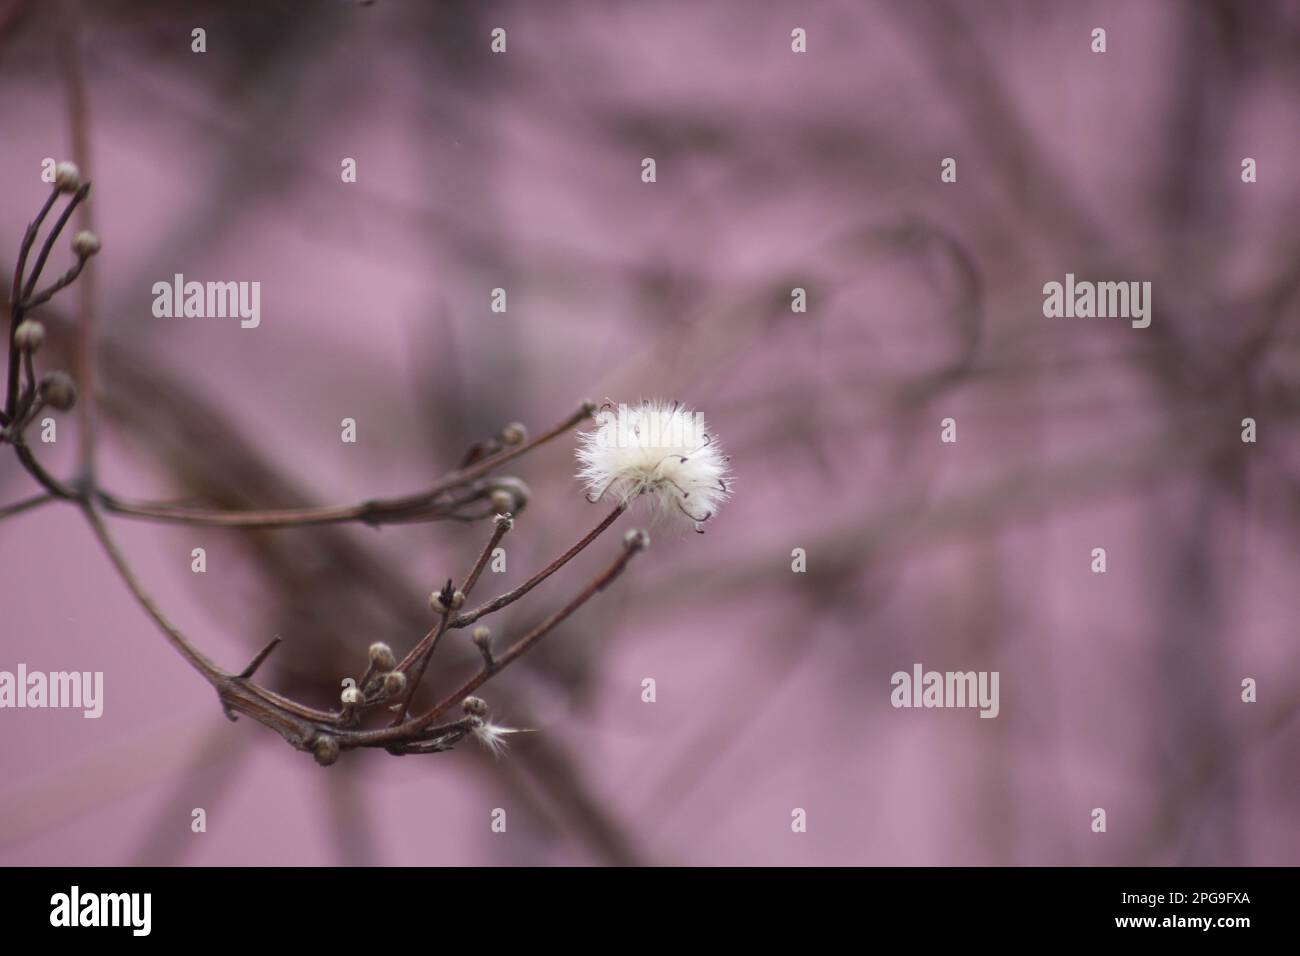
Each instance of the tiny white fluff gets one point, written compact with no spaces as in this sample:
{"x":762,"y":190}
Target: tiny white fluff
{"x":492,"y":736}
{"x":661,"y":449}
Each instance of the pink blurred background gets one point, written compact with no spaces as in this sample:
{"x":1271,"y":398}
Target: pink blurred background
{"x":775,"y":170}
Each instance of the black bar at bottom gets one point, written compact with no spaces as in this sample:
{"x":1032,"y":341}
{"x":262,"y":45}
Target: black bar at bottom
{"x":347,"y":907}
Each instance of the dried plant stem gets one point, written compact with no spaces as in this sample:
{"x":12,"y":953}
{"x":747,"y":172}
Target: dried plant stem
{"x":27,"y":504}
{"x":422,"y":506}
{"x":496,"y":604}
{"x":197,"y":659}
{"x":522,"y":645}
{"x":305,"y":727}
{"x":373,"y":512}
{"x":419,"y":657}
{"x":56,"y":488}
{"x":51,"y":237}
{"x":414,"y":664}
{"x":419,"y":660}
{"x":16,"y":300}
{"x":259,"y":659}
{"x":421,"y":724}
{"x":65,"y":280}
{"x":324,"y":733}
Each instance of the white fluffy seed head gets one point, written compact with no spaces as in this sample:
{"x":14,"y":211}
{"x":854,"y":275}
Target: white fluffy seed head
{"x":660,"y":449}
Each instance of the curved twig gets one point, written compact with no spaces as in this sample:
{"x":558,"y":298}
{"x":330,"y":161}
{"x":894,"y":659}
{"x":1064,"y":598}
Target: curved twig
{"x":323,"y":732}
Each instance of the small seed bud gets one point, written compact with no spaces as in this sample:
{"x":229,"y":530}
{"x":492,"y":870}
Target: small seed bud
{"x":483,"y":641}
{"x":85,"y":244}
{"x":636,"y":540}
{"x":326,"y":750}
{"x":350,"y":696}
{"x":475,"y":706}
{"x":508,"y":488}
{"x":67,"y":178}
{"x":381,"y":655}
{"x":394,"y":683}
{"x":514,"y":434}
{"x":448,"y":599}
{"x":505,"y":519}
{"x":57,"y":390}
{"x":29,"y":336}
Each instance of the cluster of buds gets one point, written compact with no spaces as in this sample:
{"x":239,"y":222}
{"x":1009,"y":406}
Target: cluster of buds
{"x":382,"y":683}
{"x":447,"y":600}
{"x":55,"y":389}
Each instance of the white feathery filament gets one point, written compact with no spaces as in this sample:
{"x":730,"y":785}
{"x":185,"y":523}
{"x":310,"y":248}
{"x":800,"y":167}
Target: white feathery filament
{"x":663,"y":450}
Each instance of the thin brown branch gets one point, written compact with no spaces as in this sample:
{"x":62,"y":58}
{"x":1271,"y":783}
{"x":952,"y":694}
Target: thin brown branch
{"x":29,"y":392}
{"x":51,"y":237}
{"x":418,"y":661}
{"x":324,"y":732}
{"x":504,"y":523}
{"x":497,"y":603}
{"x":65,"y":280}
{"x":236,"y":692}
{"x":419,"y":657}
{"x":17,"y":296}
{"x":203,"y":664}
{"x":27,"y":504}
{"x":373,"y":512}
{"x":259,"y":659}
{"x":635,"y":542}
{"x":437,"y":739}
{"x":396,"y":739}
{"x":422,"y":506}
{"x":47,"y":481}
